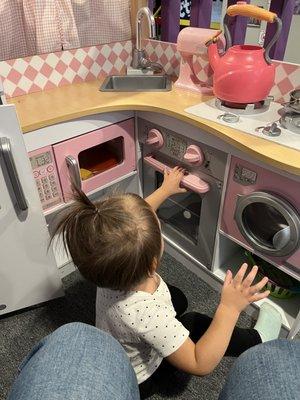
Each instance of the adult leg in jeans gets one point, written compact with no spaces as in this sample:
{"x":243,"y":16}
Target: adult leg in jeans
{"x":241,"y":339}
{"x":77,"y":361}
{"x":268,"y":371}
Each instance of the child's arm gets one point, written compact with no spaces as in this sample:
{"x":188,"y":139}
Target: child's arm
{"x":237,"y":293}
{"x":169,"y":186}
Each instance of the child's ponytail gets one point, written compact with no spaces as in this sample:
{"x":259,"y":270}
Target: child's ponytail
{"x":81,"y":198}
{"x":66,"y":224}
{"x":114,"y":241}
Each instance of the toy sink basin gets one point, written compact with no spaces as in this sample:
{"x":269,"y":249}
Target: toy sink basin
{"x":136,"y":83}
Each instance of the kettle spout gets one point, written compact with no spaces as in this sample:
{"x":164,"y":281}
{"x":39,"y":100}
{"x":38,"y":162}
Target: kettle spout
{"x":213,"y":55}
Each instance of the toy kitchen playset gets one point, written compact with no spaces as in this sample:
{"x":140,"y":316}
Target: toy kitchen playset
{"x":236,"y":207}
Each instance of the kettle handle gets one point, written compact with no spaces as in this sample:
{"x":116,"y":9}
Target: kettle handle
{"x":249,"y":10}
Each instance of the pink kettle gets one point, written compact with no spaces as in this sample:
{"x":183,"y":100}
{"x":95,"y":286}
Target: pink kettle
{"x":244,"y":73}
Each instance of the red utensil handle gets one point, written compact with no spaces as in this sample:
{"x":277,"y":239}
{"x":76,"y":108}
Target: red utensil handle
{"x":191,"y":182}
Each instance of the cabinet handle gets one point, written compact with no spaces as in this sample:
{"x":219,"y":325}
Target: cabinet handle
{"x":74,"y":171}
{"x":5,"y":151}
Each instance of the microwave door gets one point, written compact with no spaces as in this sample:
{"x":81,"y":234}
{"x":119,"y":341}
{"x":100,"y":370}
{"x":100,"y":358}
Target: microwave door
{"x":28,"y":272}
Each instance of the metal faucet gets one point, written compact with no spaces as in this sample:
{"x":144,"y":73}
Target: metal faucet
{"x":139,"y":57}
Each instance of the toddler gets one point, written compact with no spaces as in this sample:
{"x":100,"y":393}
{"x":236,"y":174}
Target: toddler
{"x":117,"y":244}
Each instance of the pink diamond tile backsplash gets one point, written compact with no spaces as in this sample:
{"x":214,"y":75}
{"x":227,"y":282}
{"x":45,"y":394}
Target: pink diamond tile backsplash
{"x":287,"y":78}
{"x":46,"y":71}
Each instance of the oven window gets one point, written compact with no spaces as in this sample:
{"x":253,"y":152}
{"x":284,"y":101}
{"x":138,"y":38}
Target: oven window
{"x":182,"y":212}
{"x":100,"y":158}
{"x":262,"y":222}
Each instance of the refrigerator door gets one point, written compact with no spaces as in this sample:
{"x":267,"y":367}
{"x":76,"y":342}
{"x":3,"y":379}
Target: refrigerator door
{"x":28,"y":271}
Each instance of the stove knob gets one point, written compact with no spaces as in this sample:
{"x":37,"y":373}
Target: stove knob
{"x":155,"y":138}
{"x":194,"y":155}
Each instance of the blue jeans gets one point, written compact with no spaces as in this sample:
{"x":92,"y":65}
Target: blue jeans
{"x":268,"y":371}
{"x":80,"y":362}
{"x":76,"y":362}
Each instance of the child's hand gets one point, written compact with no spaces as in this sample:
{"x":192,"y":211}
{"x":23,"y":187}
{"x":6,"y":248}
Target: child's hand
{"x":237,"y":292}
{"x":172,"y":180}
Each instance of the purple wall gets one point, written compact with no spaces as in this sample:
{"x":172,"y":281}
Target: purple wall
{"x":284,"y":10}
{"x":201,"y":17}
{"x":201,"y":13}
{"x":151,"y":4}
{"x":170,"y":17}
{"x":237,"y":26}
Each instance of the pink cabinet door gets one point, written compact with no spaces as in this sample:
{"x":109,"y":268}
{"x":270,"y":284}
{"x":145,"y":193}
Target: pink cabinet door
{"x":96,"y":158}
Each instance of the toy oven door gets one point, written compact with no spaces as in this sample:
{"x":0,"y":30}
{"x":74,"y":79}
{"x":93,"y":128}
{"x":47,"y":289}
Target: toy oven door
{"x":189,"y":220}
{"x":95,"y":159}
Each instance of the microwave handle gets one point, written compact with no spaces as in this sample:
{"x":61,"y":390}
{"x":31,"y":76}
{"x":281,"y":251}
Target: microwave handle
{"x":74,"y":171}
{"x":6,"y":152}
{"x":191,"y":182}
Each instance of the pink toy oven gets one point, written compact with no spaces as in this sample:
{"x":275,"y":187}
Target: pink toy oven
{"x":262,"y":212}
{"x":46,"y":177}
{"x":94,"y":159}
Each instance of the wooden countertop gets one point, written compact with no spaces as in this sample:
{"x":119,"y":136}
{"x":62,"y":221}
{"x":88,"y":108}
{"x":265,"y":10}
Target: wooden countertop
{"x":41,"y":109}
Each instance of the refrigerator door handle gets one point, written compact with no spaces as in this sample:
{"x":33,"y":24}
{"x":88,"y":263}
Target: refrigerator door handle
{"x":5,"y":151}
{"x":74,"y":171}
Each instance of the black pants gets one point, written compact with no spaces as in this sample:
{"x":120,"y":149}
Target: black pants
{"x":197,"y":324}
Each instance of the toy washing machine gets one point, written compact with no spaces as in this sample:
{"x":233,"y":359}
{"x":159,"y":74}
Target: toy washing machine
{"x":262,"y":212}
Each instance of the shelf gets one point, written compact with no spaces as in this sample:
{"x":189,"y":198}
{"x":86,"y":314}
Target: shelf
{"x":289,"y":308}
{"x":289,"y":271}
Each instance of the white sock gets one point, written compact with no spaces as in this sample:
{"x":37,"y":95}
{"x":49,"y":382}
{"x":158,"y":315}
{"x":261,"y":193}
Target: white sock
{"x":269,"y":322}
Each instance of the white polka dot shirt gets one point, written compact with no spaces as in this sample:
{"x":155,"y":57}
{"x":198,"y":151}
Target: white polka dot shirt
{"x":143,"y":323}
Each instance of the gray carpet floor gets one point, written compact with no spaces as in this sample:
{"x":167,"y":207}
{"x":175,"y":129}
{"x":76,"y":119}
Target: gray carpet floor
{"x":19,"y":332}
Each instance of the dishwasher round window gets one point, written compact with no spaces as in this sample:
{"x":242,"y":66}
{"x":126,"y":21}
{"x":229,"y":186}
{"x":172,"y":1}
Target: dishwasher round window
{"x":268,"y":223}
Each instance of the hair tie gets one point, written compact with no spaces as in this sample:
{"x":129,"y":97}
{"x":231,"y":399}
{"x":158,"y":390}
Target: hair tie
{"x":97,"y":211}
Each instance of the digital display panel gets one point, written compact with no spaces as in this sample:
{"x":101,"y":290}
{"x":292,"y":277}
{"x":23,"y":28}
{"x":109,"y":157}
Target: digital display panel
{"x":40,"y":160}
{"x":249,"y":175}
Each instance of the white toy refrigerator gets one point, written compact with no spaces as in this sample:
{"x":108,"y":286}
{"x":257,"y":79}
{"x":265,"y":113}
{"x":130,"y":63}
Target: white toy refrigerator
{"x":28,"y":271}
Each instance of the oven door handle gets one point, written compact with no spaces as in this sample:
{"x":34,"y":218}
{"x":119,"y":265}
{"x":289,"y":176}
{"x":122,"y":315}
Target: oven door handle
{"x":74,"y":171}
{"x":191,"y":182}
